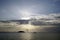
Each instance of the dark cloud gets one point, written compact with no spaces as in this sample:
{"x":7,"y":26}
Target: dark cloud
{"x":58,"y":17}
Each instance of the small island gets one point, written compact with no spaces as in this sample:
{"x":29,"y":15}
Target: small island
{"x":21,"y":31}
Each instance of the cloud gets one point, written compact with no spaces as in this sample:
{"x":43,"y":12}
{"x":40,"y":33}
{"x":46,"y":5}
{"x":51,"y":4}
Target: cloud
{"x":26,"y":8}
{"x":48,"y":19}
{"x":58,"y":17}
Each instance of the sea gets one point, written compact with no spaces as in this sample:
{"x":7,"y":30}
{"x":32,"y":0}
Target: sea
{"x":30,"y":36}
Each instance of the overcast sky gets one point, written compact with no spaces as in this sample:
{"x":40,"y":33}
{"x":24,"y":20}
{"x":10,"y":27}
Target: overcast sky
{"x":16,"y":9}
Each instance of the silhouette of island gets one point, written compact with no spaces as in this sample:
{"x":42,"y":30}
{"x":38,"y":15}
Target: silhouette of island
{"x":21,"y":31}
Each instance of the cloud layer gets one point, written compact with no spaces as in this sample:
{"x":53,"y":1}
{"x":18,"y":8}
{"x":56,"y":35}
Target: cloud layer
{"x":49,"y":19}
{"x":17,"y":9}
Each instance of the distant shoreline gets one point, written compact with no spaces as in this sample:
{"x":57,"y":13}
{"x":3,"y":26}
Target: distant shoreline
{"x":29,"y":32}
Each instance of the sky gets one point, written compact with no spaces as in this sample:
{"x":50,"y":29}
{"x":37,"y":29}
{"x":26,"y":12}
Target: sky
{"x":17,"y":9}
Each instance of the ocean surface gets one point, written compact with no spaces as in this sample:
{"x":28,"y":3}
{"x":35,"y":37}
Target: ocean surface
{"x":29,"y":36}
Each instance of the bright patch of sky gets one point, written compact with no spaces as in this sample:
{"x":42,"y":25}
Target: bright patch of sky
{"x":17,"y":9}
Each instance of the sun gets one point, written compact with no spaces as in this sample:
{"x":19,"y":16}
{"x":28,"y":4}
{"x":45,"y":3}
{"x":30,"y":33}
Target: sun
{"x":25,"y":18}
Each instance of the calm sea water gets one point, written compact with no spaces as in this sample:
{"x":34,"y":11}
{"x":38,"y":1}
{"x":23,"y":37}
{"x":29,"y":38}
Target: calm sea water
{"x":29,"y":36}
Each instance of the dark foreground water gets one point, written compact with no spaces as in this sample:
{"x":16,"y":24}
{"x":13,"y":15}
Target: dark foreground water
{"x":29,"y":36}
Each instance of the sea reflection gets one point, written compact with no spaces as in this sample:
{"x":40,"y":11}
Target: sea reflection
{"x":39,"y":36}
{"x":29,"y":36}
{"x":26,"y":36}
